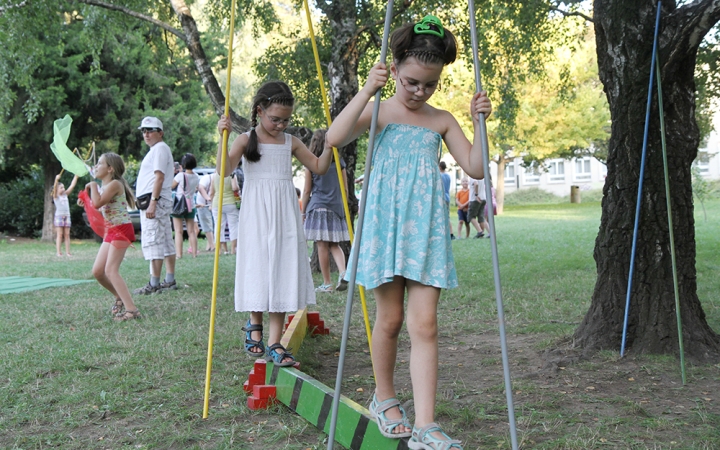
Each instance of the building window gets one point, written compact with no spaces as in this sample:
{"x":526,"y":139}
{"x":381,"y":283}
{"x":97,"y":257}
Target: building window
{"x":582,"y":169}
{"x":531,"y":174}
{"x":510,"y":174}
{"x":556,"y":171}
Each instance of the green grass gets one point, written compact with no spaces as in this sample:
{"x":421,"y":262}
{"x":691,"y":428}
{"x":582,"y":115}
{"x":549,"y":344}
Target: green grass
{"x":71,"y":378}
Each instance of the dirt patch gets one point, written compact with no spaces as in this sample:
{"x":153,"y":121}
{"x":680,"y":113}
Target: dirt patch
{"x":561,"y":399}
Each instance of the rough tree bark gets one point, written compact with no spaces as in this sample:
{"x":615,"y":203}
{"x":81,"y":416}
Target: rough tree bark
{"x":624,"y":31}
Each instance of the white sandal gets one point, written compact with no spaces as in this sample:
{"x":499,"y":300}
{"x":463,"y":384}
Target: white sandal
{"x":422,"y":439}
{"x":386,"y":425}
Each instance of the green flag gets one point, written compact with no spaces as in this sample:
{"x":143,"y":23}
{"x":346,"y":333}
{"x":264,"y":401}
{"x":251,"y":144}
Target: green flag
{"x":69,"y":161}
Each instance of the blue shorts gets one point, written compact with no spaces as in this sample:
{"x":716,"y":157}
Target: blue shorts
{"x":463,"y":216}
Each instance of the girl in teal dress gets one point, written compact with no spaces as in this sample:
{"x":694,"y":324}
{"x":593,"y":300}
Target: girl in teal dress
{"x":406,"y":240}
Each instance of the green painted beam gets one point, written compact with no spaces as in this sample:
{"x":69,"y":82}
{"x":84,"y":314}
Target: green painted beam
{"x":312,"y":400}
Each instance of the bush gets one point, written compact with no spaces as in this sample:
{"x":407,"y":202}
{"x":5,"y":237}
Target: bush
{"x":21,"y":207}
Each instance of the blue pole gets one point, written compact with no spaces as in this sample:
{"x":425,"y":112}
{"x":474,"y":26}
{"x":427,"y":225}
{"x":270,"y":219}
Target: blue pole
{"x":640,"y":182}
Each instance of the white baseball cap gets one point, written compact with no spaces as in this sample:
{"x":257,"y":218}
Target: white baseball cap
{"x":151,"y":122}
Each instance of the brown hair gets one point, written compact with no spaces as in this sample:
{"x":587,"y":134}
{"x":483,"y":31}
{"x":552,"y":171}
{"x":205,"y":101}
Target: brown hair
{"x":118,"y":165}
{"x":269,"y":93}
{"x":427,"y":48}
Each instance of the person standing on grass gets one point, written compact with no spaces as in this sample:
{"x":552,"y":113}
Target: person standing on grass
{"x":272,"y":271}
{"x":187,"y":181}
{"x":229,"y":217}
{"x":476,"y":206}
{"x":203,"y":205}
{"x":155,"y":177}
{"x":324,"y":215}
{"x":406,"y":246}
{"x":61,"y":219}
{"x":462,"y":200}
{"x":445,"y":177}
{"x":113,"y":199}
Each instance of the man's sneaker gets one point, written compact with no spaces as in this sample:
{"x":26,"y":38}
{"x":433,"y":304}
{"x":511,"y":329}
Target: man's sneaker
{"x":165,"y":286}
{"x":342,"y":283}
{"x":479,"y":235}
{"x":147,"y":290}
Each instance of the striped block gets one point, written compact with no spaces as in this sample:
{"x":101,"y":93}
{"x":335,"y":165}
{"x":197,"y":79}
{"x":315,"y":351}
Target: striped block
{"x":312,"y":400}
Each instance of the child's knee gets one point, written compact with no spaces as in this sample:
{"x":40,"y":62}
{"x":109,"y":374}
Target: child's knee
{"x":425,"y":328}
{"x":390,"y":326}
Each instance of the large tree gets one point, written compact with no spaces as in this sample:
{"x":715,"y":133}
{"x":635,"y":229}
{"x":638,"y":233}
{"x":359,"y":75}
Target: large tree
{"x":624,"y":30}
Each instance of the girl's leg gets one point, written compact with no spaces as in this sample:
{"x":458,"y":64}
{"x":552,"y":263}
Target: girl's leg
{"x":66,"y":231}
{"x":98,"y":269}
{"x":115,"y":257}
{"x":324,"y":258}
{"x":178,"y":224}
{"x":58,"y":240}
{"x":192,"y":236}
{"x":423,"y":330}
{"x":389,"y":299}
{"x":277,"y":321}
{"x":338,"y":256}
{"x":256,"y":318}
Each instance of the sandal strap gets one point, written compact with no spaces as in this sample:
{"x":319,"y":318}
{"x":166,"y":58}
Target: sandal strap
{"x":424,"y":435}
{"x":381,"y":407}
{"x":250,"y":327}
{"x":276,"y":355}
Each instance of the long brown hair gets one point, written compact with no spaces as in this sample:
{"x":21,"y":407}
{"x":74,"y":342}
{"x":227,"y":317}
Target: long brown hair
{"x":118,"y":165}
{"x":269,"y":93}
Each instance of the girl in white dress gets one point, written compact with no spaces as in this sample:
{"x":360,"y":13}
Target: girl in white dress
{"x":272,"y":271}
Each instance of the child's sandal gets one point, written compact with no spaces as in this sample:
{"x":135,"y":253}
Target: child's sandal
{"x":250,"y":343}
{"x":117,"y":307}
{"x":422,"y":439}
{"x":127,"y":315}
{"x":277,"y":357}
{"x":386,"y":425}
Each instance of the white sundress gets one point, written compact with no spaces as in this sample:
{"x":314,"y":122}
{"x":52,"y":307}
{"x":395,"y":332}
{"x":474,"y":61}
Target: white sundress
{"x":272,"y":273}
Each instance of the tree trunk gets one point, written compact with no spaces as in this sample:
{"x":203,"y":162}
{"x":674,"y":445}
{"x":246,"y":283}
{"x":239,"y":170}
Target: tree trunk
{"x":624,"y":31}
{"x":500,"y":184}
{"x":48,"y":230}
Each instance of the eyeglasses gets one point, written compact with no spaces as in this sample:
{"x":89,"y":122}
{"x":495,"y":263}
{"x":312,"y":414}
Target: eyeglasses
{"x":276,"y":120}
{"x":414,"y":87}
{"x":149,"y":130}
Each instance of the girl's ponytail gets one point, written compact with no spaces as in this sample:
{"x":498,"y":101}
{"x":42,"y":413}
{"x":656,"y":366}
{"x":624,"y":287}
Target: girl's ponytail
{"x":251,"y":152}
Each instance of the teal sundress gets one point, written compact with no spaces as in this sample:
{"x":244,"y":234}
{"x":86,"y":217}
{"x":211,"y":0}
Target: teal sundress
{"x":406,"y":228}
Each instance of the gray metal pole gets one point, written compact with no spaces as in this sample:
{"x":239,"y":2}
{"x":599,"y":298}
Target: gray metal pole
{"x":358,"y":236}
{"x":493,"y":234}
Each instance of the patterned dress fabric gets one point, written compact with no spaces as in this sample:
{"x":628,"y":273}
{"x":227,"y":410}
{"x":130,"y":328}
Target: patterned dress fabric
{"x":272,"y":271}
{"x":406,"y":230}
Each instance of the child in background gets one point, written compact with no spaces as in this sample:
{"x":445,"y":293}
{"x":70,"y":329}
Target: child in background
{"x":230,"y":212}
{"x":188,"y":181}
{"x":462,"y":200}
{"x":406,"y":238}
{"x":324,"y":215}
{"x":113,"y":199}
{"x":61,"y":219}
{"x":272,"y":271}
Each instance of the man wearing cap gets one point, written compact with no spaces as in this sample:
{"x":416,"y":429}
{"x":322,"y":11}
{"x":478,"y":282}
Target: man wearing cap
{"x":155,"y":177}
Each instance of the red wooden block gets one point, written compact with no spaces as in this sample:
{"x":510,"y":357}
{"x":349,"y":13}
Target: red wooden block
{"x":264,"y":391}
{"x":258,"y":403}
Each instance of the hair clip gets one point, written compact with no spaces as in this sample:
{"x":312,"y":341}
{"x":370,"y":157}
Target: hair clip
{"x":430,"y":25}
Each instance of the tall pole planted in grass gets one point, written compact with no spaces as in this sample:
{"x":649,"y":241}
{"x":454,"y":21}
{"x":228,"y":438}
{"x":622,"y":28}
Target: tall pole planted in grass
{"x":482,"y":129}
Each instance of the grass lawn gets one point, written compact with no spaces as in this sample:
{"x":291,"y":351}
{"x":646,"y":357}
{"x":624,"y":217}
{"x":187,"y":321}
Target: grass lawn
{"x":71,"y":378}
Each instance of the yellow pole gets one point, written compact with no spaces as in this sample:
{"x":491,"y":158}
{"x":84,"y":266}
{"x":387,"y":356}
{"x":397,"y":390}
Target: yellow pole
{"x":323,"y":94}
{"x":218,"y":226}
